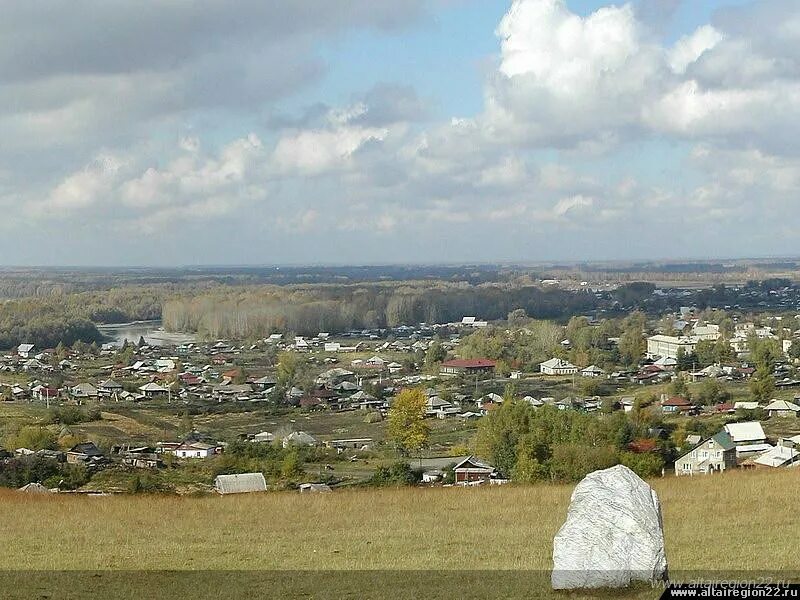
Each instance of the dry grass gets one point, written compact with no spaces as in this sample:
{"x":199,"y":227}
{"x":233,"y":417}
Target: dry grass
{"x":750,"y":515}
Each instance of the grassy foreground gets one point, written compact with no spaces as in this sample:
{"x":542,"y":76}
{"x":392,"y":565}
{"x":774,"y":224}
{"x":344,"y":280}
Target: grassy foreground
{"x":725,"y":523}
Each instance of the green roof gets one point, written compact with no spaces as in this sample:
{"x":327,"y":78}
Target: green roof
{"x":724,"y":440}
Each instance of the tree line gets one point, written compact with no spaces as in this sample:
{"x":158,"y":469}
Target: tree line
{"x":307,"y":310}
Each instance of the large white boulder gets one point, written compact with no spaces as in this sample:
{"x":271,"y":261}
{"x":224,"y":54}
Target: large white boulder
{"x":613,"y":534}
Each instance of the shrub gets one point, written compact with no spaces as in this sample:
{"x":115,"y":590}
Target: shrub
{"x":398,"y":473}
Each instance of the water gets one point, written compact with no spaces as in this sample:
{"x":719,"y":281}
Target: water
{"x":152,"y":331}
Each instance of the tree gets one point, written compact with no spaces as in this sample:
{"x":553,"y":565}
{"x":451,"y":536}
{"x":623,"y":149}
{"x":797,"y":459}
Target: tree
{"x":517,"y":317}
{"x":589,"y":386}
{"x":33,"y":438}
{"x":289,"y":369}
{"x":631,"y":343}
{"x":706,"y":351}
{"x":679,"y":388}
{"x":762,"y":383}
{"x":435,"y":354}
{"x":712,"y":392}
{"x":407,"y":427}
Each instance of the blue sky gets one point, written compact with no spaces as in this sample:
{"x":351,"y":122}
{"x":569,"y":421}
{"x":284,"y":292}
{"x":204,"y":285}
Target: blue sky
{"x":410,"y":131}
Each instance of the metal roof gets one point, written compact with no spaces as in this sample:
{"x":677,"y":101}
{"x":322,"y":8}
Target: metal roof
{"x":240,"y":483}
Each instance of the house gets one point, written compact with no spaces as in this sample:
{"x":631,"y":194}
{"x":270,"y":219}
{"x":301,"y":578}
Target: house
{"x":436,"y":406}
{"x":142,"y":457}
{"x":26,"y":350}
{"x":240,"y":483}
{"x":264,"y":437}
{"x":667,"y":346}
{"x":231,"y":392}
{"x":471,"y":470}
{"x":376,"y":362}
{"x":83,"y":453}
{"x":364,"y":401}
{"x":195,"y":450}
{"x":153,"y":390}
{"x":716,"y":454}
{"x":350,"y":444}
{"x":779,"y":456}
{"x":557,"y":366}
{"x":83,"y":390}
{"x":265,"y":383}
{"x":749,"y":437}
{"x":745,"y":405}
{"x":592,"y":371}
{"x":749,"y":432}
{"x":468,"y":367}
{"x":109,"y":388}
{"x":299,"y":438}
{"x":675,"y":405}
{"x":781,"y":408}
{"x":693,"y":439}
{"x":42,"y":392}
{"x":335,"y":376}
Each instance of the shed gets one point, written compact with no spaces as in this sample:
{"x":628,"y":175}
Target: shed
{"x":240,"y":483}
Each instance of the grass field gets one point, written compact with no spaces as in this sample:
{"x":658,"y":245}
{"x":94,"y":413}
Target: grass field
{"x":727,"y":523}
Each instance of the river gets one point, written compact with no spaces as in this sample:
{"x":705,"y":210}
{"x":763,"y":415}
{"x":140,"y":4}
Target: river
{"x":152,"y":331}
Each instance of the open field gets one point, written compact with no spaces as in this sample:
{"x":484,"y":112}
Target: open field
{"x":445,"y":529}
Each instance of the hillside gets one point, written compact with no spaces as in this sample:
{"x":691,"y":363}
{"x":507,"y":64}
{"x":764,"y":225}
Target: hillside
{"x":445,"y":531}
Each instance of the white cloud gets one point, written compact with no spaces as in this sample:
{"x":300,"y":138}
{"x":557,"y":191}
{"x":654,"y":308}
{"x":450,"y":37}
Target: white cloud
{"x":82,"y":189}
{"x":691,"y":47}
{"x":572,"y":204}
{"x":317,"y":151}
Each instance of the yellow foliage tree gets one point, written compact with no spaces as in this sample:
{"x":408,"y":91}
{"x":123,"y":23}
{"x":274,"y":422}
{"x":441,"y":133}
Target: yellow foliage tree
{"x":407,"y":427}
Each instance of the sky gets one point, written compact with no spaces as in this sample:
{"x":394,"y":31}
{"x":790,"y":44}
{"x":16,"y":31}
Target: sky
{"x":163,"y":133}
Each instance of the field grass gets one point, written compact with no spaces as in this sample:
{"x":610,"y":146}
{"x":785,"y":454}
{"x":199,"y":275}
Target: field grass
{"x":744,"y":521}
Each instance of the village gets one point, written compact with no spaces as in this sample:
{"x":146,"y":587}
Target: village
{"x":126,"y":407}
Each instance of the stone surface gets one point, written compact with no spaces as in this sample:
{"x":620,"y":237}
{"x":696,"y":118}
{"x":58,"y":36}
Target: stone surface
{"x":613,"y":534}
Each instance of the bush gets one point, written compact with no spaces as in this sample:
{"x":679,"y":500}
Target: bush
{"x":399,"y":473}
{"x":33,"y":438}
{"x":146,"y":483}
{"x":17,"y":472}
{"x":644,"y":465}
{"x":71,"y":415}
{"x":572,"y":462}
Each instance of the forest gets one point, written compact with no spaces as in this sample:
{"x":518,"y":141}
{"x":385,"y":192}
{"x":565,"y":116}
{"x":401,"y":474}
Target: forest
{"x":47,"y":307}
{"x":307,"y":310}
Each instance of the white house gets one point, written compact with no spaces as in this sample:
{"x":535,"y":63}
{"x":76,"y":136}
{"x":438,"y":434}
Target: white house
{"x":557,"y":366}
{"x":592,"y":371}
{"x":667,"y":346}
{"x":195,"y":450}
{"x":25,"y":350}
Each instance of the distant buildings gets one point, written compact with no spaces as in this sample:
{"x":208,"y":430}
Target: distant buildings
{"x":668,"y":346}
{"x":557,"y":366}
{"x":471,"y":366}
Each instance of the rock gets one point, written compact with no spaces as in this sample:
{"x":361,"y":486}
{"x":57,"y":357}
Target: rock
{"x":613,"y":534}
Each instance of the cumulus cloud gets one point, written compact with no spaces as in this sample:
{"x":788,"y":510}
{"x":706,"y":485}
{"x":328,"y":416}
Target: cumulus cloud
{"x":587,"y":118}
